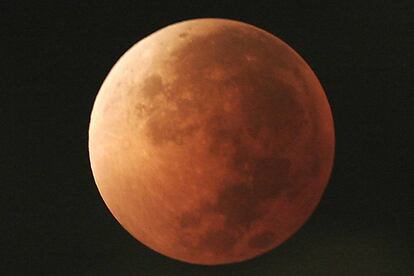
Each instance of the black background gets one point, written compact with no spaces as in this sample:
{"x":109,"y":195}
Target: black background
{"x":54,"y":59}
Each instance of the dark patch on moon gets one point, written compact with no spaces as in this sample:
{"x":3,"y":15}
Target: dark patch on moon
{"x":152,"y":86}
{"x":166,"y":124}
{"x":262,"y":240}
{"x":240,"y":202}
{"x":217,"y":241}
{"x":188,"y":220}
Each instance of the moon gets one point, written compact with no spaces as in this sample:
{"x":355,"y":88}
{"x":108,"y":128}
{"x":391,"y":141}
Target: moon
{"x":211,"y":141}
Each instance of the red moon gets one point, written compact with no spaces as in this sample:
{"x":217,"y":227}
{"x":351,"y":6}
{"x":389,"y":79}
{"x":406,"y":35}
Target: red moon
{"x":211,"y":141}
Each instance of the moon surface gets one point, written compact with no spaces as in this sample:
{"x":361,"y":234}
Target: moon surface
{"x":211,"y":141}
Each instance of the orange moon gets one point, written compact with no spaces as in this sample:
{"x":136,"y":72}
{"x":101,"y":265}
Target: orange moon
{"x":211,"y":141}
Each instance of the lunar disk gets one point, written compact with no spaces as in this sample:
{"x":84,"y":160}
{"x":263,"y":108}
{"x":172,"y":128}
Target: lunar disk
{"x":211,"y":141}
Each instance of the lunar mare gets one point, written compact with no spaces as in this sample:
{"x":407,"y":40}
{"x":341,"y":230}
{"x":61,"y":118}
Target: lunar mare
{"x":211,"y":141}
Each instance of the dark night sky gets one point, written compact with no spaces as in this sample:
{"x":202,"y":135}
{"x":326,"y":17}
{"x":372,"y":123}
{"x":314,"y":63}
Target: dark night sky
{"x":56,"y":57}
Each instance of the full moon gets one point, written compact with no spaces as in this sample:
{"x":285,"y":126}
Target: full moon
{"x":211,"y":141}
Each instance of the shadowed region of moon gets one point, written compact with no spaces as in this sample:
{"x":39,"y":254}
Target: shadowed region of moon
{"x":211,"y":141}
